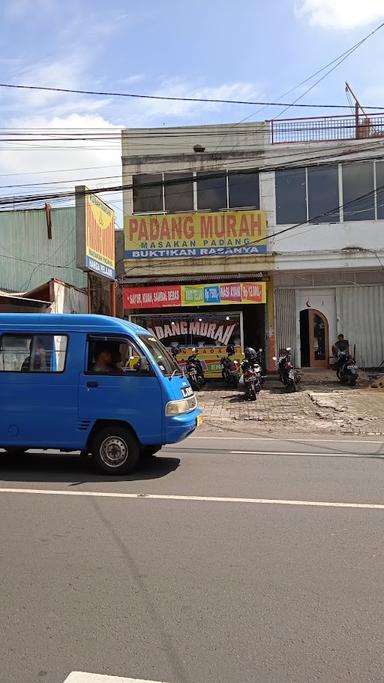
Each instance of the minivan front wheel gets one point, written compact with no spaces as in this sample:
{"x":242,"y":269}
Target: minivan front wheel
{"x":115,"y":450}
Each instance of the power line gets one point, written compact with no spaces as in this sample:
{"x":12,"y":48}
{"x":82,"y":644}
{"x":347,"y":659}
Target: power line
{"x":283,"y":230}
{"x":209,"y":100}
{"x":302,"y":163}
{"x":334,"y":65}
{"x":337,"y":61}
{"x":254,"y":242}
{"x":321,"y":148}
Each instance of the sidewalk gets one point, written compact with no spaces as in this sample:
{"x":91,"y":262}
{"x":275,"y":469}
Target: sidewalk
{"x":319,"y":406}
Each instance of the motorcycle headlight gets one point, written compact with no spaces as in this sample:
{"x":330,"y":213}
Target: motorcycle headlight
{"x":185,"y":405}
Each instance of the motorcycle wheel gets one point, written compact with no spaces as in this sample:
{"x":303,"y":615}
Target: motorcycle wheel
{"x":194,"y":384}
{"x":292,"y":388}
{"x":252,"y":394}
{"x":352,"y":380}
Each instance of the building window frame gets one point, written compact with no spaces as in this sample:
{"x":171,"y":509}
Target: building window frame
{"x":226,"y":171}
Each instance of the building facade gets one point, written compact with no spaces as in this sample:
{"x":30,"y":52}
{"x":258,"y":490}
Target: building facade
{"x":317,"y":185}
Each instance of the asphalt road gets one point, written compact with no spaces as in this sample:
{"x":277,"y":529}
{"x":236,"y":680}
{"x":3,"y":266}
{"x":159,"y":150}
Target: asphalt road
{"x":226,"y":559}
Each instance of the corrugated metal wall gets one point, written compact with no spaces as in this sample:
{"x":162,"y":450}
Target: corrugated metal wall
{"x":360,"y":312}
{"x":285,"y":308}
{"x":28,"y":258}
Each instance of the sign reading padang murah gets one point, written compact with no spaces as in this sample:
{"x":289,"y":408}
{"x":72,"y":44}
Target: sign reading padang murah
{"x":222,"y":233}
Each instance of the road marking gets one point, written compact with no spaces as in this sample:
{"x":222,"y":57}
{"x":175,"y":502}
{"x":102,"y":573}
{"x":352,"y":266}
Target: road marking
{"x":315,"y":455}
{"x":83,"y":677}
{"x":282,"y":439}
{"x":199,"y":499}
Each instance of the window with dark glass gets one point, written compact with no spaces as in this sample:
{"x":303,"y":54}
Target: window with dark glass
{"x":358,"y":191}
{"x":291,"y":200}
{"x":113,"y":356}
{"x":323,"y":194}
{"x":380,"y":188}
{"x":147,"y":192}
{"x":244,"y":189}
{"x":211,"y":190}
{"x":178,"y":195}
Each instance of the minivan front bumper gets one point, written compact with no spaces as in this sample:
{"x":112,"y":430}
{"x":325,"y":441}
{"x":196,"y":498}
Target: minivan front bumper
{"x":178,"y":427}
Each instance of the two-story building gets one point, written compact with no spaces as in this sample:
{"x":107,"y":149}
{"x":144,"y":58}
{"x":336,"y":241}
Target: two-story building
{"x":274,"y":228}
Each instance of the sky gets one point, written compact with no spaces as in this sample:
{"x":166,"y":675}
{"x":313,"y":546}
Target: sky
{"x":248,"y":50}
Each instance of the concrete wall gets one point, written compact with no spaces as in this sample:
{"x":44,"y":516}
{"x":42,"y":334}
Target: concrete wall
{"x":69,"y":300}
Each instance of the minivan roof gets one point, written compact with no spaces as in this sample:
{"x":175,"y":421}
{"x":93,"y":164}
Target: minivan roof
{"x":70,"y":322}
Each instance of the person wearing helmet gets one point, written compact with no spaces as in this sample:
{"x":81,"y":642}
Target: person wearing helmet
{"x":250,"y":353}
{"x":230,"y":350}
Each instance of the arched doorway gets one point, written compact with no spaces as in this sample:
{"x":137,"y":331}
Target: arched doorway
{"x":314,"y":339}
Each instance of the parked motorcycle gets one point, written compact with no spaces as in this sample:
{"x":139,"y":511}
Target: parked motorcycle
{"x":250,"y":380}
{"x":346,"y":368}
{"x":194,"y":372}
{"x":289,"y":376}
{"x":230,"y":368}
{"x":256,"y":360}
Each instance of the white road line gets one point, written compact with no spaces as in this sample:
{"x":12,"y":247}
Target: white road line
{"x":199,"y":499}
{"x":315,"y":455}
{"x":83,"y":677}
{"x":282,"y":439}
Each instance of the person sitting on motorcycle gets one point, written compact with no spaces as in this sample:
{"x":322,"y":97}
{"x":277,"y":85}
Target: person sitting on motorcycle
{"x":250,"y":353}
{"x":341,"y":345}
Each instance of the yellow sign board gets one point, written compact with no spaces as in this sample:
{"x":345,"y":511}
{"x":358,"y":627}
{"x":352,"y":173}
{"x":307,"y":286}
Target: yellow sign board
{"x":221,"y":233}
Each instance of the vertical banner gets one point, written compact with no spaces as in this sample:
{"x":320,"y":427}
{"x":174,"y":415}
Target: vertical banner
{"x":95,"y":234}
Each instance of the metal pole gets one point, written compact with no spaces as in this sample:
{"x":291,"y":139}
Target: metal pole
{"x":112,"y":292}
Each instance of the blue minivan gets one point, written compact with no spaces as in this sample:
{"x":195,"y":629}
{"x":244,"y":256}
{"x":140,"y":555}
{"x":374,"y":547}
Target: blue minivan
{"x":92,"y":383}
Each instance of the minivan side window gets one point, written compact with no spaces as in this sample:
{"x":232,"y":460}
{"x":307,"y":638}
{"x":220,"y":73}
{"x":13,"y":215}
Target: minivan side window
{"x":112,"y":356}
{"x":33,"y":353}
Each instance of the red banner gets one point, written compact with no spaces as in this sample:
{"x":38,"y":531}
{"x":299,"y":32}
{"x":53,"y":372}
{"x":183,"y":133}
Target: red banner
{"x":152,"y":297}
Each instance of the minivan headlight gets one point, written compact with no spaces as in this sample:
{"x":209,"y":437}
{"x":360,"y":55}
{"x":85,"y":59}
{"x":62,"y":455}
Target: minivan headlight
{"x":185,"y":405}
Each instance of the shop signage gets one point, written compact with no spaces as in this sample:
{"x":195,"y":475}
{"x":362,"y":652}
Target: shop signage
{"x":195,"y":295}
{"x":218,"y":331}
{"x":95,"y":228}
{"x":222,"y":233}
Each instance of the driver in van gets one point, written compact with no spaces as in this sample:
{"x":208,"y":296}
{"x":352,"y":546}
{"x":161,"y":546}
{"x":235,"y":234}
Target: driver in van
{"x":107,"y":361}
{"x":103,"y":361}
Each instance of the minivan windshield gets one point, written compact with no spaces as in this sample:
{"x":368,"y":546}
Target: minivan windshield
{"x":162,"y":357}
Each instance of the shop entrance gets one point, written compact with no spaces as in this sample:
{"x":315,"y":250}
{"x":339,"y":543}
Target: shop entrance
{"x":314,"y":339}
{"x":208,"y":331}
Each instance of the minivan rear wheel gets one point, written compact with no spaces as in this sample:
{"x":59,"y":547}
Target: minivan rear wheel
{"x":115,"y":450}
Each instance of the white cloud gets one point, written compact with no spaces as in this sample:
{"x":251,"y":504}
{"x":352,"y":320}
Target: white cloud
{"x":37,"y":162}
{"x":157,"y":112}
{"x":340,"y":14}
{"x":102,"y":158}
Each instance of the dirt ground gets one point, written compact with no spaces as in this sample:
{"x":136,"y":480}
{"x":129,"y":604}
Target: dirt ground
{"x":321,"y":405}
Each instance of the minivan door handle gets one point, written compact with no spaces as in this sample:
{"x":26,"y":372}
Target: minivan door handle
{"x":92,"y":385}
